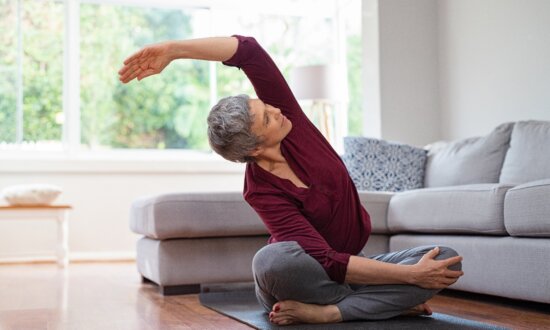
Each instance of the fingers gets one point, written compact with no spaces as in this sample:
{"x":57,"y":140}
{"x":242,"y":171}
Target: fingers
{"x":454,"y":273}
{"x":432,"y":253}
{"x":452,"y":261}
{"x":135,"y":56}
{"x":131,"y":62}
{"x":125,"y":73}
{"x":130,"y":75}
{"x":135,"y":72}
{"x":448,"y":281}
{"x":134,"y":66}
{"x":146,"y":74}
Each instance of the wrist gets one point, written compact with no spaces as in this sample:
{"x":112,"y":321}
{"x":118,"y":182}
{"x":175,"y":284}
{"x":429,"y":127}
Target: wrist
{"x":411,"y":274}
{"x":175,"y":49}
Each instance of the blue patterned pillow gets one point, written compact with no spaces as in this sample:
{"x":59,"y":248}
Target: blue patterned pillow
{"x":380,"y":165}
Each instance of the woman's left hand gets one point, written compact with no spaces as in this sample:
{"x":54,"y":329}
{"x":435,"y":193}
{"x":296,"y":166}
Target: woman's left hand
{"x":429,"y":273}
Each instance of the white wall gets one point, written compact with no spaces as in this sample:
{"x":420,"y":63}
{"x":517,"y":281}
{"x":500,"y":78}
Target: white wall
{"x":494,"y":60}
{"x":400,"y":72}
{"x":408,"y":62}
{"x":101,"y":192}
{"x":450,"y":69}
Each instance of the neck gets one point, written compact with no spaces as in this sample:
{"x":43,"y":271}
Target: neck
{"x":269,"y":159}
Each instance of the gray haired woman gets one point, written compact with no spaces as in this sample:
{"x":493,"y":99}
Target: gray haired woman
{"x":312,"y":270}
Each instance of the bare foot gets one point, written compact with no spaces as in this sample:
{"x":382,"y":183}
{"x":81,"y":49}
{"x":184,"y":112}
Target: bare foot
{"x":422,"y":309}
{"x":290,"y":312}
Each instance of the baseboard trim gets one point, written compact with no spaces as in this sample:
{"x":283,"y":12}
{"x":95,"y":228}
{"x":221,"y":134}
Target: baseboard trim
{"x":75,"y":257}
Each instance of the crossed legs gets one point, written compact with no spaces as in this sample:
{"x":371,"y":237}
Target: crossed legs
{"x":287,"y":278}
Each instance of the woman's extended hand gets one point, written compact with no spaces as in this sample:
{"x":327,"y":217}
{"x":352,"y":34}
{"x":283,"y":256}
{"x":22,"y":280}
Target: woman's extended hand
{"x":154,"y":58}
{"x":429,"y":273}
{"x":148,"y":61}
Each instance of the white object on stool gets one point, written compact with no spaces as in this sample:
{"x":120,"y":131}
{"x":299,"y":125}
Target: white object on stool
{"x":31,"y":194}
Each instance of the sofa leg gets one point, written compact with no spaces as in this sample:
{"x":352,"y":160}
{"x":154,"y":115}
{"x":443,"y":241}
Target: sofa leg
{"x":146,"y":280}
{"x":179,"y":289}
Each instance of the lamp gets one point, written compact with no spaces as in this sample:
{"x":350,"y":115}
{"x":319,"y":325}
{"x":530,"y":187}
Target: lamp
{"x":315,"y":83}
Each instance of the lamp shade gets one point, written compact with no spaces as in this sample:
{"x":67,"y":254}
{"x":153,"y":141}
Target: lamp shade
{"x":312,"y":82}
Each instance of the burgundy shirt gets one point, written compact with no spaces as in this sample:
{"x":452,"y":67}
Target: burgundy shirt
{"x":326,"y":219}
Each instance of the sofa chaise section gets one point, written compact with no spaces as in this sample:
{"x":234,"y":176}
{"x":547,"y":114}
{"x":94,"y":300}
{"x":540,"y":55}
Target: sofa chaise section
{"x":195,"y":238}
{"x":191,"y":239}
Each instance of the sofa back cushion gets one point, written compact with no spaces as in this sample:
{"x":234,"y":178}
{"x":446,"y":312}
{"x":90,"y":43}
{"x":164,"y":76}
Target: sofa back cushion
{"x":379,"y":165}
{"x":529,"y":156}
{"x":468,"y":161}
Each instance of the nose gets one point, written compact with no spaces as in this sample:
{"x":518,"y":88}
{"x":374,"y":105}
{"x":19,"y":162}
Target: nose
{"x":276,"y":111}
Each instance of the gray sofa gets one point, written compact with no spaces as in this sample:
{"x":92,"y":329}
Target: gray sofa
{"x":487,"y":197}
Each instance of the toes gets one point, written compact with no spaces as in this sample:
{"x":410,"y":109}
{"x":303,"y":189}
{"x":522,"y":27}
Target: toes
{"x":285,"y":322}
{"x":427,"y":309}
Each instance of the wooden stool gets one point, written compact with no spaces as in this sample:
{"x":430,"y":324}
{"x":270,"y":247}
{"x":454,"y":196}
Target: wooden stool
{"x":59,"y":213}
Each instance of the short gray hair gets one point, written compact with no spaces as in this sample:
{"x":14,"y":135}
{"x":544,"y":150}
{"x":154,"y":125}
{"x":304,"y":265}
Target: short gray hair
{"x":229,"y":132}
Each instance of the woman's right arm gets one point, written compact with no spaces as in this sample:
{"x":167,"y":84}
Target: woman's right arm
{"x":427,"y":273}
{"x":152,"y":59}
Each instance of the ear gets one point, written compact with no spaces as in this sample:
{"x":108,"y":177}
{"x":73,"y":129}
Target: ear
{"x":257,"y":151}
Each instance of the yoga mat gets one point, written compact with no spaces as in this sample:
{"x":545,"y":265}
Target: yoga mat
{"x":243,"y":307}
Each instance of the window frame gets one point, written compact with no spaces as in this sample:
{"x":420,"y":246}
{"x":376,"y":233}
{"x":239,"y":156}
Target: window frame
{"x":70,"y":145}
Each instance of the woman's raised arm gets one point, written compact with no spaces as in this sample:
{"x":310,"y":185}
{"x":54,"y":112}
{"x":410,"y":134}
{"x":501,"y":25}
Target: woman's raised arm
{"x":152,"y":59}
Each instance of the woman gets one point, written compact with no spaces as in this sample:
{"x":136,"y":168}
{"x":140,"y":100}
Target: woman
{"x":312,"y":270}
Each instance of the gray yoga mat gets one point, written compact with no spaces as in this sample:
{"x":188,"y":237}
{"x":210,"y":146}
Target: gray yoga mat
{"x":243,"y":307}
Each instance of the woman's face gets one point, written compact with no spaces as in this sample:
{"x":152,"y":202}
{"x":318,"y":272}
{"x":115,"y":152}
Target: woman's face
{"x":268,"y":123}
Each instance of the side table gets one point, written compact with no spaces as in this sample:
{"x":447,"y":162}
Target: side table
{"x":58,"y":213}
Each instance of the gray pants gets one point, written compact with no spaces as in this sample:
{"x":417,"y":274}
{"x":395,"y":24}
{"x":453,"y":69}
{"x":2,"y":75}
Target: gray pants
{"x":283,"y":271}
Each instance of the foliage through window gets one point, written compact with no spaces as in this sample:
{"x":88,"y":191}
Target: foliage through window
{"x":41,"y":74}
{"x":166,"y":111}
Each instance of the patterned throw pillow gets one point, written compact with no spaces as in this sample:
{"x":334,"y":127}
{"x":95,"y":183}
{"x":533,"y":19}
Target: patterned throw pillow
{"x":380,"y":165}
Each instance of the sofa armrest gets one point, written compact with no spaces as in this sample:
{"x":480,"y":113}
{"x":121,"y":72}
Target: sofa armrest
{"x":376,"y":203}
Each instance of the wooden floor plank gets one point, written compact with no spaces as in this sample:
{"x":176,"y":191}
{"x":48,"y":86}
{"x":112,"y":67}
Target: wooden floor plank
{"x":111,"y":296}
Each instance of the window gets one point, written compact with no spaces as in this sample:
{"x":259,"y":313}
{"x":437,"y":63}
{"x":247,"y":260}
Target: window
{"x":163,"y":111}
{"x":166,"y":111}
{"x":354,"y":55}
{"x":32,"y":68}
{"x":8,"y":71}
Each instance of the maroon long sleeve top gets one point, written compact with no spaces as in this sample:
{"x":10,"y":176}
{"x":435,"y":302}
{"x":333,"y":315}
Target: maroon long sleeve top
{"x":326,"y":219}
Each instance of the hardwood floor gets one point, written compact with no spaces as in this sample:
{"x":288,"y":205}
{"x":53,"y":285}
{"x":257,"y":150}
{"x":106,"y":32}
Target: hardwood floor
{"x":111,"y":296}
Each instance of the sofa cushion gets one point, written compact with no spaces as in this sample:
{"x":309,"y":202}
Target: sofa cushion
{"x":468,"y":161}
{"x":527,"y":209}
{"x":529,"y":156}
{"x":476,"y":208}
{"x":376,"y":203}
{"x":380,"y":165}
{"x":186,"y":215}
